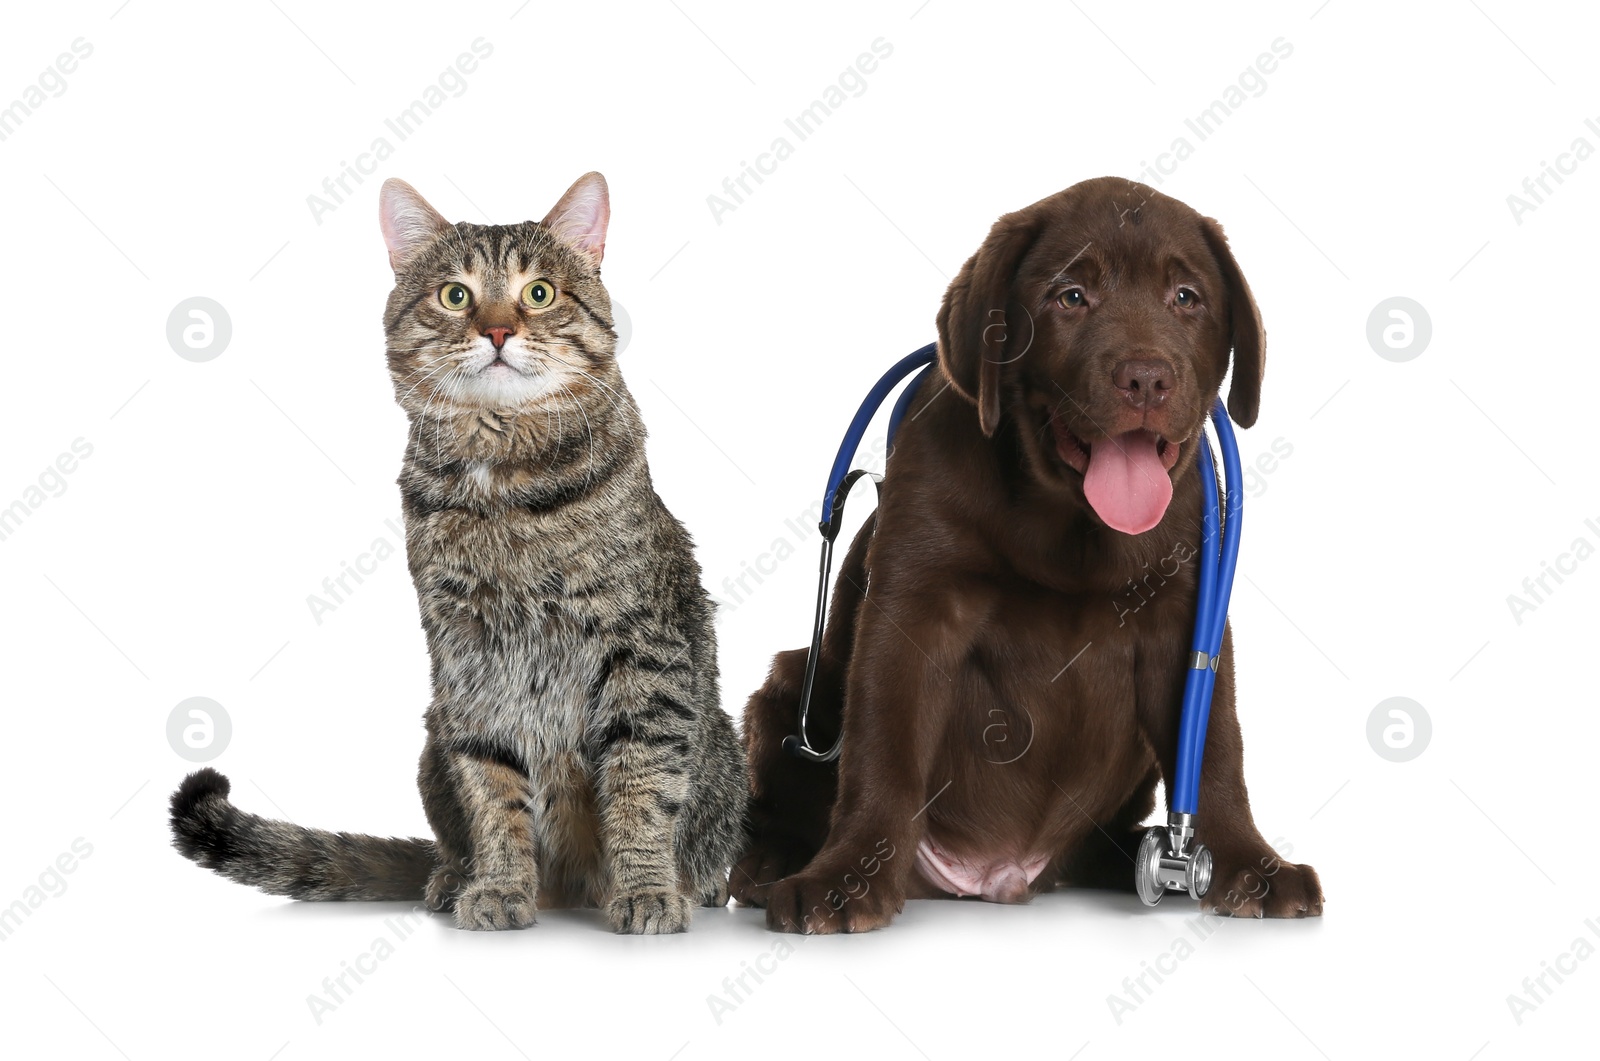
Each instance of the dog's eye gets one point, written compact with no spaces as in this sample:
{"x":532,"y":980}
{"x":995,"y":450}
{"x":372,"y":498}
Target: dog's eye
{"x":1072,"y":298}
{"x":1186,"y":298}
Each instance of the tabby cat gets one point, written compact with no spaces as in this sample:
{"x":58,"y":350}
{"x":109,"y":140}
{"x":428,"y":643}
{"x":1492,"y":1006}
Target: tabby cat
{"x":577,"y":752}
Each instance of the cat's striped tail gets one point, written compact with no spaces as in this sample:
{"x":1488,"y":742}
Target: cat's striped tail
{"x":285,"y":859}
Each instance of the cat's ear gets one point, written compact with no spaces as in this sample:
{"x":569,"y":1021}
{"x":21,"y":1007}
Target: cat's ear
{"x":409,"y":223}
{"x":580,"y":218}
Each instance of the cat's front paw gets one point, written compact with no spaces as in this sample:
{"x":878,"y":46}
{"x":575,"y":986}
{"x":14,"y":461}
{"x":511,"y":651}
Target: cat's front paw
{"x":716,"y":894}
{"x":444,"y":885}
{"x":489,"y":905}
{"x":649,"y":913}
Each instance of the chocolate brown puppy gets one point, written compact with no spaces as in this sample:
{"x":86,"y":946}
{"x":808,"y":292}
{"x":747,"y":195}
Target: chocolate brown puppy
{"x":1009,"y":635}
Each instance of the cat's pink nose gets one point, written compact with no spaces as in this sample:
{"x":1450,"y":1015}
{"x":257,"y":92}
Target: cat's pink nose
{"x":497,"y":336}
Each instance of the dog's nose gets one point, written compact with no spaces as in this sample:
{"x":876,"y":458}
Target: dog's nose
{"x":1145,"y":382}
{"x":497,"y":336}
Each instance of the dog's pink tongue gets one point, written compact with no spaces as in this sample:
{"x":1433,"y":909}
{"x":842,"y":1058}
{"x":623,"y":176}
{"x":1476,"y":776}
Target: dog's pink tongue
{"x":1126,"y":483}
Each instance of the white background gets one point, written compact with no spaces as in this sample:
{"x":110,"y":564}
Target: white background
{"x":1379,"y":557}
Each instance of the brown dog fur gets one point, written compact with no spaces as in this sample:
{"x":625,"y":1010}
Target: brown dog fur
{"x":989,"y":573}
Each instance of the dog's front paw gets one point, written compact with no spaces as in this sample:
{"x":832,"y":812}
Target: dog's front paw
{"x":766,"y":863}
{"x":1263,"y":886}
{"x":816,"y":902}
{"x":489,"y":904}
{"x":649,"y":913}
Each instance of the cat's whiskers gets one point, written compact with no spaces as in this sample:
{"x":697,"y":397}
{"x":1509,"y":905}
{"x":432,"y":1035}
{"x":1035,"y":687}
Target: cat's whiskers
{"x":452,"y":388}
{"x":610,"y":391}
{"x":587,"y":428}
{"x":444,"y":390}
{"x":432,"y":342}
{"x":435,"y":370}
{"x":560,"y":432}
{"x":440,"y":392}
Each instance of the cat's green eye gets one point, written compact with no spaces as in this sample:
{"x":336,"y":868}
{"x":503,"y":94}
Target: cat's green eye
{"x":539,"y":294}
{"x":455,"y":296}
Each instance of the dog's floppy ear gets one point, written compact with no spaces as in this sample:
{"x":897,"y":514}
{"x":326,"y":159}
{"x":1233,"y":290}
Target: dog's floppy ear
{"x":1248,"y":338}
{"x":974,"y":319}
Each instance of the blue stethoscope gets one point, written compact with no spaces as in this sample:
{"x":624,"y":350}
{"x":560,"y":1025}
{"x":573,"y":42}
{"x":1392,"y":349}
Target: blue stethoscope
{"x":1169,"y":859}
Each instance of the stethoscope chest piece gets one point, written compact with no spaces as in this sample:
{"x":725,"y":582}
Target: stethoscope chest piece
{"x":1170,"y":860}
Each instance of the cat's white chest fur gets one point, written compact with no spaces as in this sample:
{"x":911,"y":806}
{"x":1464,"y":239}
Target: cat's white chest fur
{"x":480,"y":475}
